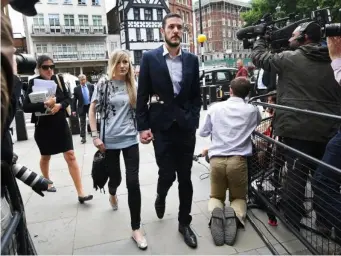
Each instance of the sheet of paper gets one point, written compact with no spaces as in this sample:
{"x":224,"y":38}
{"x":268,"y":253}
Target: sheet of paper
{"x":44,"y":85}
{"x":38,"y":97}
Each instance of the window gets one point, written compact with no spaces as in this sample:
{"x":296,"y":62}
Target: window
{"x":240,"y":23}
{"x":148,"y":15}
{"x":95,"y":2}
{"x":83,"y":20}
{"x":69,"y":20}
{"x":209,"y":34}
{"x":67,"y":1}
{"x":159,"y":15}
{"x":208,"y":78}
{"x":138,"y":34}
{"x":228,"y":22}
{"x":185,"y":37}
{"x":97,"y":20}
{"x":38,"y":20}
{"x":113,"y":46}
{"x":229,"y":33}
{"x":41,"y":49}
{"x":137,"y":14}
{"x":209,"y":23}
{"x":137,"y":57}
{"x":204,"y":24}
{"x":223,"y":22}
{"x":82,"y":2}
{"x":234,"y":23}
{"x":64,"y":51}
{"x":160,"y":35}
{"x":224,"y":33}
{"x":222,"y":76}
{"x":91,"y":51}
{"x":150,"y":34}
{"x":54,"y":20}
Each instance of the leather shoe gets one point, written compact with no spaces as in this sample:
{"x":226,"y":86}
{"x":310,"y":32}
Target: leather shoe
{"x":189,"y":236}
{"x":160,"y":206}
{"x":83,"y":140}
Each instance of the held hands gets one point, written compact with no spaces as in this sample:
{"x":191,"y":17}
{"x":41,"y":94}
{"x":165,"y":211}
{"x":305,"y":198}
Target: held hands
{"x":146,"y":137}
{"x":204,"y":152}
{"x":99,"y":144}
{"x":334,"y":47}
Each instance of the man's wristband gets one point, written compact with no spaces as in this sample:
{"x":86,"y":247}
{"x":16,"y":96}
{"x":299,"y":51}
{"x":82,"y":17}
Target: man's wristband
{"x":94,"y":134}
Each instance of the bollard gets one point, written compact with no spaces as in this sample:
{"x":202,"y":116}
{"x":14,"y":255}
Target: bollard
{"x":20,"y":125}
{"x":213,"y":93}
{"x":204,"y":97}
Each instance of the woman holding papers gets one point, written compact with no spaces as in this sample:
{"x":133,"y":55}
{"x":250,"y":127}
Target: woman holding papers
{"x":52,"y":132}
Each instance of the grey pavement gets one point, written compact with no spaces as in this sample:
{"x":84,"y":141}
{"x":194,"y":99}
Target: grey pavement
{"x":60,"y":225}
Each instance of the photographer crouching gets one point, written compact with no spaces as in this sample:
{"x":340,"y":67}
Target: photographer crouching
{"x":305,"y":81}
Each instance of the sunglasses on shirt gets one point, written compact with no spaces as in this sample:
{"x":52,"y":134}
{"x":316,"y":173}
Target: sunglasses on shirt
{"x":47,"y":67}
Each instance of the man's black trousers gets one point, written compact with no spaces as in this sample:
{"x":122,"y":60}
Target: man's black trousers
{"x":174,"y":149}
{"x":82,"y":120}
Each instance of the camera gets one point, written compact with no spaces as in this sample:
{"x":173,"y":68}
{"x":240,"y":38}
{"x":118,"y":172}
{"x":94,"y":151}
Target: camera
{"x":26,"y":63}
{"x":278,"y":37}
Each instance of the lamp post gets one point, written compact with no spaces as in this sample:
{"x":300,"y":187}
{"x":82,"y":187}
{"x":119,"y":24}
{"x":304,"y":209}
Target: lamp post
{"x":201,"y":39}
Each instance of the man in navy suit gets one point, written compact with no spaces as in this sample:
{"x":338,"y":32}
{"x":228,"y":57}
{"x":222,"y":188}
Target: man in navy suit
{"x":81,"y":103}
{"x":169,"y":81}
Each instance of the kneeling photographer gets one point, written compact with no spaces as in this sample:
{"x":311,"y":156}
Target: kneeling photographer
{"x":305,"y":81}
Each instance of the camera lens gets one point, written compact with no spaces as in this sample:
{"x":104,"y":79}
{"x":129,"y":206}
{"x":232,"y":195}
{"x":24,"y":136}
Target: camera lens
{"x":26,"y":64}
{"x":333,"y":30}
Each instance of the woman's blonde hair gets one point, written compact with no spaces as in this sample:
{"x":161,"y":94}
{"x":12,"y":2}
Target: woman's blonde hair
{"x":116,"y":57}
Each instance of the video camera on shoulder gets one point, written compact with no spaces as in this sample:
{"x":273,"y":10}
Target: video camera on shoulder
{"x":278,"y":37}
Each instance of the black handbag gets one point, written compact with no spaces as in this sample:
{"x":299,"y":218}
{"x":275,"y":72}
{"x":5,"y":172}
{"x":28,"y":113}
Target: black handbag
{"x":100,"y":174}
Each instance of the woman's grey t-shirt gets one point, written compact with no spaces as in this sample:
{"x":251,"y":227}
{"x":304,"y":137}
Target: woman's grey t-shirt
{"x":120,"y":125}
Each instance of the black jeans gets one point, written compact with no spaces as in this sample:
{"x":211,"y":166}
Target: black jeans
{"x":174,"y":151}
{"x":82,"y":120}
{"x":296,"y":178}
{"x":131,"y":157}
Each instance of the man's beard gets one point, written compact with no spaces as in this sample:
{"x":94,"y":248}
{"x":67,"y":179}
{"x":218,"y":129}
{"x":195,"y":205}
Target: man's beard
{"x":171,"y":44}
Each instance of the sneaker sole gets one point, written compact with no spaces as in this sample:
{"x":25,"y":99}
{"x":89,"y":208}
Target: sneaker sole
{"x":217,"y":226}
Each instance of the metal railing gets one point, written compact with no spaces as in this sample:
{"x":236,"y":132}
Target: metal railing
{"x":76,"y":56}
{"x":295,"y":187}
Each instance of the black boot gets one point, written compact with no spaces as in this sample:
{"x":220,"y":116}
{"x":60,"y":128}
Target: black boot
{"x":189,"y":236}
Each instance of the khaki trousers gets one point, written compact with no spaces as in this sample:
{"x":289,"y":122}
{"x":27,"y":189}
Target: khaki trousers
{"x":229,"y":173}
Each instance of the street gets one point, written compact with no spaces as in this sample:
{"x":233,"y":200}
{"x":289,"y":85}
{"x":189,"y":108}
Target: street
{"x":58,"y":224}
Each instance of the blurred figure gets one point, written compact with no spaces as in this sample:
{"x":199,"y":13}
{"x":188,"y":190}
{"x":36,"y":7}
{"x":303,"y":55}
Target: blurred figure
{"x":242,"y":71}
{"x":81,"y":103}
{"x":52,"y":132}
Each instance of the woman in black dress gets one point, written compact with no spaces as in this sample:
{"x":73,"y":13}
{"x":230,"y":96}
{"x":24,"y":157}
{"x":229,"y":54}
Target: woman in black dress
{"x":52,"y":132}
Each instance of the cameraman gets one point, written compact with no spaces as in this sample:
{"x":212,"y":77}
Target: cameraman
{"x":11,"y":200}
{"x":305,"y":81}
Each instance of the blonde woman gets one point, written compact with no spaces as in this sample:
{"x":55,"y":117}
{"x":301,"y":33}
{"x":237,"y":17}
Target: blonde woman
{"x":115,"y":99}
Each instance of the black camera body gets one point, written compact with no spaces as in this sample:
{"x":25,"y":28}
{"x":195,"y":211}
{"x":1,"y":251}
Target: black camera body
{"x":26,"y":64}
{"x":278,"y":37}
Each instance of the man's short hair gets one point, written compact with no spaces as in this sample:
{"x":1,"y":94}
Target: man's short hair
{"x":240,"y":87}
{"x":81,"y":76}
{"x":168,"y":16}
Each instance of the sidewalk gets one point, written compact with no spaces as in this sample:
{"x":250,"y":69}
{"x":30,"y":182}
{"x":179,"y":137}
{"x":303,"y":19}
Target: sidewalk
{"x":60,"y":225}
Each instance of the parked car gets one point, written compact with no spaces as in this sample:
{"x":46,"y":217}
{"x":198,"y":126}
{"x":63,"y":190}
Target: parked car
{"x":220,"y":77}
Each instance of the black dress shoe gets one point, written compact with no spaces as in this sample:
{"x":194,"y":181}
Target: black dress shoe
{"x":85,"y":198}
{"x":83,"y":140}
{"x":160,"y":206}
{"x":189,"y":236}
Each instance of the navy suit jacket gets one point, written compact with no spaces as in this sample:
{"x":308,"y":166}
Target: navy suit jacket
{"x":154,"y":79}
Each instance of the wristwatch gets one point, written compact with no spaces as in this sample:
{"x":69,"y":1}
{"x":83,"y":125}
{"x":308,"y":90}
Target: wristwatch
{"x":94,"y":134}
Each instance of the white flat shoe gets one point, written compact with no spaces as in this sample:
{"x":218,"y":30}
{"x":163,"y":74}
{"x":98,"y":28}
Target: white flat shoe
{"x":142,"y":243}
{"x":114,"y":206}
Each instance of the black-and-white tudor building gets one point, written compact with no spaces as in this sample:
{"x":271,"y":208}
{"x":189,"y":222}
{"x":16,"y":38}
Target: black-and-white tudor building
{"x":140,"y":22}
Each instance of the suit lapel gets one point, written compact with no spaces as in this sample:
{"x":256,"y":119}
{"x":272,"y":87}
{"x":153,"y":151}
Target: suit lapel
{"x":184,"y":58}
{"x":164,"y":67}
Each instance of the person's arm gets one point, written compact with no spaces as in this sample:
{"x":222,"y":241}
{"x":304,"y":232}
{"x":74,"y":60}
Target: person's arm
{"x":336,"y":65}
{"x":66,"y":101}
{"x":196,"y":99}
{"x":29,"y":107}
{"x":206,"y":129}
{"x":263,"y":58}
{"x":143,"y":92}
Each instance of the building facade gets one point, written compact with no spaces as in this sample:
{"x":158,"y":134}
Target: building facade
{"x":221,"y":20}
{"x":185,"y":9}
{"x":72,"y":32}
{"x":138,"y":22}
{"x":19,"y":41}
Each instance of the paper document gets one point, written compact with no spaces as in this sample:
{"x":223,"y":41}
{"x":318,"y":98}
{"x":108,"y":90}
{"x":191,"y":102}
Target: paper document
{"x":44,"y":85}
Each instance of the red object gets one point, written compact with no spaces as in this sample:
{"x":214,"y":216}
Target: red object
{"x":272,"y":223}
{"x":242,"y":72}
